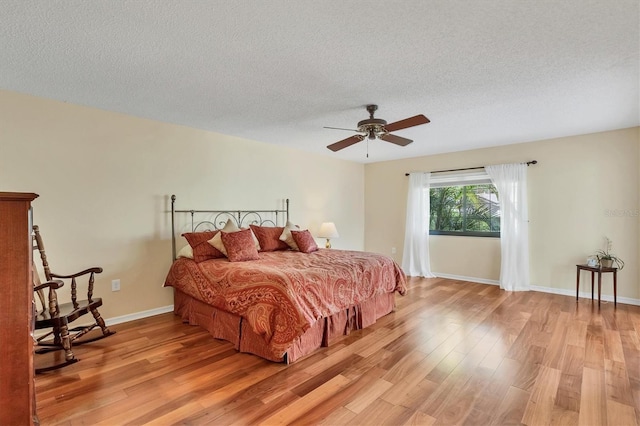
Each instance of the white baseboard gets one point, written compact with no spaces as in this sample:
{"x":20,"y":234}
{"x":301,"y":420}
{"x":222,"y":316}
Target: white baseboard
{"x":115,"y":320}
{"x":470,"y":279}
{"x":139,"y":315}
{"x":586,"y":295}
{"x":562,"y":291}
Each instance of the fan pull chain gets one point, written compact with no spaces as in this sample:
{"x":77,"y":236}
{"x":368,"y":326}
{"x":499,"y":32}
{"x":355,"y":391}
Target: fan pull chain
{"x":367,"y":147}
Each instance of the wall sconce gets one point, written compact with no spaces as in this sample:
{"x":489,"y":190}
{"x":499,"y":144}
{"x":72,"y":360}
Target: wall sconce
{"x":328,"y":230}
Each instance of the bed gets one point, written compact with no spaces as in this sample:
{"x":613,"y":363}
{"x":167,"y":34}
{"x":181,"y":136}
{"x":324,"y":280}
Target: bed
{"x":282,"y":304}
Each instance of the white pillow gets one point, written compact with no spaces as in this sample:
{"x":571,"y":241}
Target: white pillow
{"x":186,"y":251}
{"x":230,"y":226}
{"x":287,"y":237}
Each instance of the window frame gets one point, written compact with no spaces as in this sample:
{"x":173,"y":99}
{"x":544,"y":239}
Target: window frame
{"x":460,"y":178}
{"x":487,"y":234}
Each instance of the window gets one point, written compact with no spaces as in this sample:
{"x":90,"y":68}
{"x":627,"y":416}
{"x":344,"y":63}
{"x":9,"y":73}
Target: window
{"x":464,"y":204}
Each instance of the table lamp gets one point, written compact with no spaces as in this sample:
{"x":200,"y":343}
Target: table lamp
{"x":328,"y":230}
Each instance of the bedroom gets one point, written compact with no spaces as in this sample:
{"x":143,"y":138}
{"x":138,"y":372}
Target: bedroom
{"x":104,"y":179}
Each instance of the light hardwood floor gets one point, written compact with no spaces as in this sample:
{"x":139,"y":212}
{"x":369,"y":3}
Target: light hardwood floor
{"x":453,"y":353}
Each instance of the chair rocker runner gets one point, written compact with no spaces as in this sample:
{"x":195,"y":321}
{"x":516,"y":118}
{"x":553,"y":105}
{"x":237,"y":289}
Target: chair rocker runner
{"x":50,"y":314}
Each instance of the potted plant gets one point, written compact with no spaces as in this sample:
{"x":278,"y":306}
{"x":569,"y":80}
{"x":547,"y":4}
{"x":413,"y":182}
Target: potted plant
{"x":606,"y":258}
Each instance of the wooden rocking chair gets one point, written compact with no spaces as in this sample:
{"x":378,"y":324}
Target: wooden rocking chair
{"x":50,"y":314}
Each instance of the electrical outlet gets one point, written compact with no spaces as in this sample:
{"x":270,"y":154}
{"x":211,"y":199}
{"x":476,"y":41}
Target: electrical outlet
{"x":115,"y":285}
{"x":393,"y":250}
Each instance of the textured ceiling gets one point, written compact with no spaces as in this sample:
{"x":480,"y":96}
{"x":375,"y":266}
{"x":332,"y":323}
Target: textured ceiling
{"x":486,"y":72}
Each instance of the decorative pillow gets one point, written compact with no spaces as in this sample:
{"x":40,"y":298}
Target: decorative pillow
{"x":269,"y":237}
{"x":216,"y":241}
{"x":186,"y":251}
{"x":286,"y":235}
{"x":304,"y":240}
{"x":230,"y":226}
{"x":199,"y":243}
{"x":240,"y":245}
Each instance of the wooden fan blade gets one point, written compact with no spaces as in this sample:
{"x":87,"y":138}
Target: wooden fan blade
{"x":345,"y":143}
{"x":396,"y":139}
{"x":407,"y":122}
{"x":340,"y":128}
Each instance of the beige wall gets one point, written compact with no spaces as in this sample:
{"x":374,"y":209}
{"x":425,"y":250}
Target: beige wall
{"x":105,"y":179}
{"x":577,"y":181}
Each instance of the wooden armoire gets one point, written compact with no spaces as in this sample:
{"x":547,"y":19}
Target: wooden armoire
{"x":17,"y":393}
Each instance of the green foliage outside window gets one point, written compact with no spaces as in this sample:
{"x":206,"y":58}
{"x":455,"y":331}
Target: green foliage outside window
{"x":472,"y":210}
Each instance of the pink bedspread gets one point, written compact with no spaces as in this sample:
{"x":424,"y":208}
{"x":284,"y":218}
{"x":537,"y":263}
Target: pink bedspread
{"x":285,"y":292}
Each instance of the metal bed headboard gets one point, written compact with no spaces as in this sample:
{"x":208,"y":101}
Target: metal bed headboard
{"x":216,"y":219}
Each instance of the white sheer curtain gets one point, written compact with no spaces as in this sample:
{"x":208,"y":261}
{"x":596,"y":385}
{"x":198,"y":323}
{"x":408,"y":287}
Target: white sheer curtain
{"x":415,"y":257}
{"x":511,"y":182}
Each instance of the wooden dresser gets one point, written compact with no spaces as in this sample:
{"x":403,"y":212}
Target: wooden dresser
{"x":17,"y":393}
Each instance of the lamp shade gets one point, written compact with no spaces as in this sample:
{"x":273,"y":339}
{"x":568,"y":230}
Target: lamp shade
{"x":328,"y":230}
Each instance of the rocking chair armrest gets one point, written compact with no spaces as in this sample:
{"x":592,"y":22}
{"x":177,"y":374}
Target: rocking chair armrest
{"x":94,"y":270}
{"x":53,"y":284}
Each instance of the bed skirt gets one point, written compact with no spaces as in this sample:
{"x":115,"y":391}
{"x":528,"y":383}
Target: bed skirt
{"x":230,"y":327}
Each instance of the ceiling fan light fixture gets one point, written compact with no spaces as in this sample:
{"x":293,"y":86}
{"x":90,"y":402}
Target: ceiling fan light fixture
{"x":377,"y":128}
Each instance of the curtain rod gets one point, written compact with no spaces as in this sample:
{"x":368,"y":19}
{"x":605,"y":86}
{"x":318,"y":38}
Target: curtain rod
{"x":472,"y":168}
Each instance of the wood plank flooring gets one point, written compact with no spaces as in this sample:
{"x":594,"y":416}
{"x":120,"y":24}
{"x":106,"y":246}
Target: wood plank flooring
{"x":453,"y":353}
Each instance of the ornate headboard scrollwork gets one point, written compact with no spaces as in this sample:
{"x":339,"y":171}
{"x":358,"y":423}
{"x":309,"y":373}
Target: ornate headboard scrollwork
{"x":204,"y":220}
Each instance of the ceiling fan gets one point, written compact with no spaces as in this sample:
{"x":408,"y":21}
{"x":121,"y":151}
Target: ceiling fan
{"x":373,"y":128}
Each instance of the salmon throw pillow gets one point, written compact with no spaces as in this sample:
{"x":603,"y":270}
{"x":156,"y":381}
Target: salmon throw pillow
{"x":269,"y":237}
{"x":240,"y":245}
{"x":304,"y":240}
{"x":202,"y":250}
